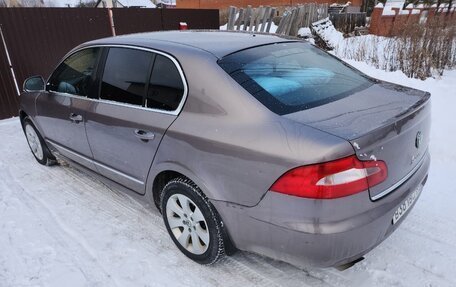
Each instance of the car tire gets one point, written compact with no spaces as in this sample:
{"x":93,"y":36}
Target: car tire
{"x":192,"y":222}
{"x":37,"y":145}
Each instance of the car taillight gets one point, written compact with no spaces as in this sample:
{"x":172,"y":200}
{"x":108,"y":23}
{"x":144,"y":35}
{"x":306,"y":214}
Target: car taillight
{"x":332,"y":179}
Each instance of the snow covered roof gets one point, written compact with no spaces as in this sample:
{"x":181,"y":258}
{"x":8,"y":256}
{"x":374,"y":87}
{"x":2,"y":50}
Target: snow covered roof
{"x":167,"y":2}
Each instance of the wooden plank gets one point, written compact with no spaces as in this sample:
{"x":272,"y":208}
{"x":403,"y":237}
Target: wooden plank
{"x":296,"y":23}
{"x":259,"y":18}
{"x":272,"y":15}
{"x":306,"y":20}
{"x":282,"y":24}
{"x":248,"y":15}
{"x":266,"y":16}
{"x":301,"y":15}
{"x":253,"y":19}
{"x":231,"y":18}
{"x":240,"y":20}
{"x":290,"y":22}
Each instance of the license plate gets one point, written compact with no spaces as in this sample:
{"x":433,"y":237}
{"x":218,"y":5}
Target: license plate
{"x":406,"y":204}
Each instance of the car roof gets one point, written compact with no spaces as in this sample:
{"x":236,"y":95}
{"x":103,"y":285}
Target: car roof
{"x":218,"y":43}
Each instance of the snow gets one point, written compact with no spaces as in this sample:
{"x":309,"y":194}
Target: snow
{"x":304,"y":32}
{"x":388,"y":12}
{"x":380,"y":52}
{"x":325,"y":29}
{"x":61,"y":227}
{"x":141,"y":3}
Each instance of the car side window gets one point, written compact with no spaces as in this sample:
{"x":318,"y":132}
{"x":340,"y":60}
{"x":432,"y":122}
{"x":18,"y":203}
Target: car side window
{"x":125,"y":76}
{"x":75,"y":75}
{"x":166,"y":88}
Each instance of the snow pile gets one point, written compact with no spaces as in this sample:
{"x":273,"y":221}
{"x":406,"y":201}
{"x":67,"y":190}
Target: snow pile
{"x":304,"y":32}
{"x":325,"y":30}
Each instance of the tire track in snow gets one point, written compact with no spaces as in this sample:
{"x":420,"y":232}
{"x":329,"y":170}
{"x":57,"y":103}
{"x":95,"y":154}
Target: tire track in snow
{"x":230,"y":263}
{"x":238,"y":263}
{"x":66,"y":233}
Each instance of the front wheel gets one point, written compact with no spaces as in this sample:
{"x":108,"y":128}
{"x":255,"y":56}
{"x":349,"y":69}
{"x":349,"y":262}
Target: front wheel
{"x":37,"y":145}
{"x":192,"y":221}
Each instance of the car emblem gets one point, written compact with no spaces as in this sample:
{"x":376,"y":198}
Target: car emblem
{"x":418,"y":139}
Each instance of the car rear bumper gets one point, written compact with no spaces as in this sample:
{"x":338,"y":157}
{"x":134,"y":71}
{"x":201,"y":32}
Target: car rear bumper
{"x":323,"y":233}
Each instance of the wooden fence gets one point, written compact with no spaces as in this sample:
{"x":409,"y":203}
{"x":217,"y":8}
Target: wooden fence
{"x":261,"y":19}
{"x":301,"y":16}
{"x":251,"y":19}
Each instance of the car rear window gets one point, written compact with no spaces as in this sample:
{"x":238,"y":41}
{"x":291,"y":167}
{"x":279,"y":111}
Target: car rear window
{"x":293,"y":76}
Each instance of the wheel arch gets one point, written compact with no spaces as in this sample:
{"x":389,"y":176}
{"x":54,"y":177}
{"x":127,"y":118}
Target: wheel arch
{"x":23,"y":115}
{"x":169,"y":171}
{"x":166,"y":171}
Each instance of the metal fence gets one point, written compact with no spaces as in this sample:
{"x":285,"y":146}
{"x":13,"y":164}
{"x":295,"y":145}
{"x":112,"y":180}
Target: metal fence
{"x":37,"y":38}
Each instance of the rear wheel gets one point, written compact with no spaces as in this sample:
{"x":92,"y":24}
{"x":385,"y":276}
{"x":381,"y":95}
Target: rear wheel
{"x":37,"y":145}
{"x":192,"y":221}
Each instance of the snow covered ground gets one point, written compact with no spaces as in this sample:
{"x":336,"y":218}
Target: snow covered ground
{"x":61,"y":227}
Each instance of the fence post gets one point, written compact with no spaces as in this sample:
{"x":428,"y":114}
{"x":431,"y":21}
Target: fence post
{"x":266,"y":16}
{"x":111,"y":21}
{"x":240,"y":20}
{"x":248,"y":15}
{"x":232,"y":18}
{"x":259,"y":18}
{"x":9,"y":61}
{"x":273,"y":10}
{"x":253,"y":18}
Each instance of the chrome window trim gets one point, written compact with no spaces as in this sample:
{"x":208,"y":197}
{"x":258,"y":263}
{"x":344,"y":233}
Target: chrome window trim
{"x":404,"y":179}
{"x":176,"y":63}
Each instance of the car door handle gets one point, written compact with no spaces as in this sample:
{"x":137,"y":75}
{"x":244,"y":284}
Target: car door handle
{"x":144,"y":135}
{"x":75,"y":118}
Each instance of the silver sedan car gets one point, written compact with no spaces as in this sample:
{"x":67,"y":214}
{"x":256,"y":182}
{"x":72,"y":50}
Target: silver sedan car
{"x":243,"y":141}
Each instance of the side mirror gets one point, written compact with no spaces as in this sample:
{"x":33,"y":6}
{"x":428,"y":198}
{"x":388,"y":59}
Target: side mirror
{"x":34,"y":84}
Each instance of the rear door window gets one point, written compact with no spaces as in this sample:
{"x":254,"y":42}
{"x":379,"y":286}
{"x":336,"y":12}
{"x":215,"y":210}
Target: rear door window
{"x":125,"y":75}
{"x":166,"y":88}
{"x":294,"y":76}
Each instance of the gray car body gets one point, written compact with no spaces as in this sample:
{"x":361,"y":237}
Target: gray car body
{"x":234,"y":149}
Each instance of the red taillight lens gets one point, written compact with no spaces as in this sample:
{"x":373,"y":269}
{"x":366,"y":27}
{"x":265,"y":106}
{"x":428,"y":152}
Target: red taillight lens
{"x":332,"y":179}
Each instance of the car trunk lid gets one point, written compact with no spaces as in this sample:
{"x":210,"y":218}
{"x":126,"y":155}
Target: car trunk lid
{"x":384,"y":122}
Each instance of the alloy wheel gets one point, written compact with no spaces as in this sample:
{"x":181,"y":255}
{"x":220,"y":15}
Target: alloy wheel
{"x":187,"y":224}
